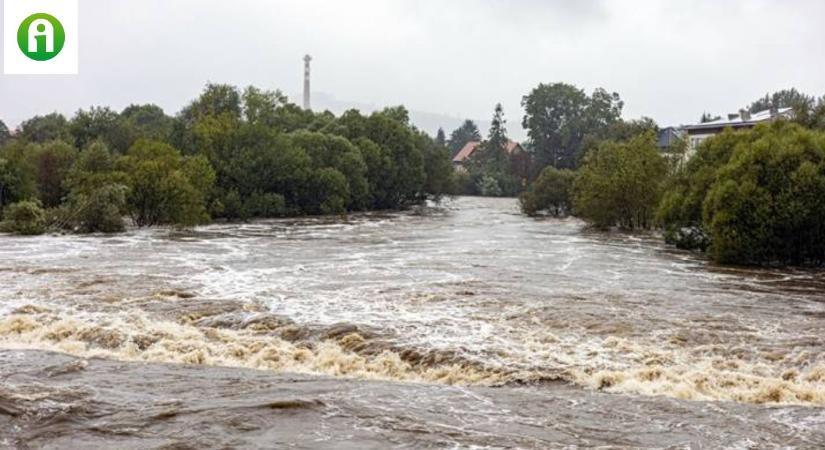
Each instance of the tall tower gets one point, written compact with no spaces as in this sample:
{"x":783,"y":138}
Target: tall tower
{"x":307,"y":59}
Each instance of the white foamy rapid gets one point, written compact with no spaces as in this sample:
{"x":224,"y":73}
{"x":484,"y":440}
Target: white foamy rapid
{"x":473,"y":293}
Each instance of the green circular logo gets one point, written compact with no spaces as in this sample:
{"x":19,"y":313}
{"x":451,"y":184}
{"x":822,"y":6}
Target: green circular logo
{"x":41,"y":37}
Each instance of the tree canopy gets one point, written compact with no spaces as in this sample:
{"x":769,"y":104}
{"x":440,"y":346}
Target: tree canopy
{"x":230,"y":153}
{"x":758,"y":196}
{"x":620,"y":183}
{"x":467,"y":132}
{"x":560,"y":116}
{"x":5,"y":134}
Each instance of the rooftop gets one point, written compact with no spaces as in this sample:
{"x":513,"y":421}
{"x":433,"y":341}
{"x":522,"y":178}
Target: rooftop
{"x":739,"y":120}
{"x":470,"y":148}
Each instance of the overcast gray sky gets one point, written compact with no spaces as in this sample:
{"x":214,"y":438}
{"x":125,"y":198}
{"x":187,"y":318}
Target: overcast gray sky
{"x":670,"y":60}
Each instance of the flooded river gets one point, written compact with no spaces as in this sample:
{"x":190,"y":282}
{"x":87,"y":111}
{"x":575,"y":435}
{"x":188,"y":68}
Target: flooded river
{"x":460,"y":326}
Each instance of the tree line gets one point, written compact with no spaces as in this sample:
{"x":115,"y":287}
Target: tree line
{"x":754,"y":196}
{"x":230,"y":154}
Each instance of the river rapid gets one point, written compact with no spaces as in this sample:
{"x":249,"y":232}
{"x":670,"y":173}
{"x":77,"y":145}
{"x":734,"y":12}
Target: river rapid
{"x":465,"y":325}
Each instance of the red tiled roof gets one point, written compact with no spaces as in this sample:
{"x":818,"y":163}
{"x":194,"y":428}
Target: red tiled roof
{"x":472,"y":146}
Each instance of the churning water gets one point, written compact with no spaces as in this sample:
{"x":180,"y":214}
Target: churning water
{"x":462,"y":326}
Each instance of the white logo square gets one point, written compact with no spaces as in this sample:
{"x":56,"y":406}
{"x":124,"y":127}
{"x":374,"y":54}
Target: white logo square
{"x":48,"y":32}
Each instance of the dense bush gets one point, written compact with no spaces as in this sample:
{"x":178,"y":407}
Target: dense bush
{"x":164,"y":186}
{"x":14,"y":185}
{"x":759,"y":195}
{"x":551,"y":193}
{"x":26,"y":218}
{"x":620,"y":183}
{"x":99,"y":210}
{"x":229,"y":153}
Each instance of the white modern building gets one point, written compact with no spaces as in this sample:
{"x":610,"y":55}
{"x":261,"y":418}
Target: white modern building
{"x":696,"y":134}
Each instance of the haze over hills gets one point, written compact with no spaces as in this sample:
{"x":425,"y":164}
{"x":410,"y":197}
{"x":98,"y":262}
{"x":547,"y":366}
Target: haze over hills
{"x":424,"y":120}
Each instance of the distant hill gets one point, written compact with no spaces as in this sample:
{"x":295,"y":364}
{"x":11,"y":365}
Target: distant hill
{"x":427,"y":121}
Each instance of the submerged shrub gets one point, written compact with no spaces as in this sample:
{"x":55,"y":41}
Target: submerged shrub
{"x":265,"y":205}
{"x":620,"y":183}
{"x":26,"y":218}
{"x":753,"y":197}
{"x":767,"y":205}
{"x":488,"y":186}
{"x":99,"y":211}
{"x":551,"y":193}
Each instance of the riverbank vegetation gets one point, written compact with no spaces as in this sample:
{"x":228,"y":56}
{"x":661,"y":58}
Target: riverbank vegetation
{"x":752,"y":196}
{"x":748,"y":197}
{"x":229,"y":154}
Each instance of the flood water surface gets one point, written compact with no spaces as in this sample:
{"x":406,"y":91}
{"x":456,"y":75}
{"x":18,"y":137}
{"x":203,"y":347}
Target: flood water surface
{"x":460,"y":326}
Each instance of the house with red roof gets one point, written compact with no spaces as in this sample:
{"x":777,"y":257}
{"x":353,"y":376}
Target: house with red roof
{"x":519,"y":157}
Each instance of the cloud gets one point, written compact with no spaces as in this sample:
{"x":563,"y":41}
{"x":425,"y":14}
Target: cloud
{"x":668,"y":60}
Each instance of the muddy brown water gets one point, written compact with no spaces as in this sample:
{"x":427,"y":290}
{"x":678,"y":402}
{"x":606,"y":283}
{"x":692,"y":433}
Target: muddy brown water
{"x":460,"y":326}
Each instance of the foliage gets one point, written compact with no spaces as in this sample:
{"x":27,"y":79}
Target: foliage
{"x":165,"y":187}
{"x":99,"y":210}
{"x":491,"y":167}
{"x":620,"y":184}
{"x":13,"y":183}
{"x":767,"y":204}
{"x":437,"y":166}
{"x":440,"y":137}
{"x":51,"y":163}
{"x":488,"y":186}
{"x":26,"y":217}
{"x":552,"y":193}
{"x":758,"y":196}
{"x":229,"y":153}
{"x":808,"y":110}
{"x":682,"y":202}
{"x":467,"y":132}
{"x":137,"y":122}
{"x":5,"y":134}
{"x":96,"y":123}
{"x":559,"y":116}
{"x":403,"y":177}
{"x":97,"y":193}
{"x":335,"y":152}
{"x":51,"y":127}
{"x":786,"y":98}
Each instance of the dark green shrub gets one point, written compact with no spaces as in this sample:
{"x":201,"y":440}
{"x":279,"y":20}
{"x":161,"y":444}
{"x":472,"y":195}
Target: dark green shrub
{"x":26,"y":218}
{"x":265,"y":205}
{"x":552,"y":193}
{"x":620,"y":184}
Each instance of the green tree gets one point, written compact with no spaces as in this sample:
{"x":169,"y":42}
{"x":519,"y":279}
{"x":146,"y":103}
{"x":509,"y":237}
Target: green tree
{"x":552,"y":192}
{"x":559,"y":116}
{"x":262,"y":107}
{"x":441,"y":138}
{"x":438,"y":166}
{"x":98,"y":123}
{"x":26,"y":217}
{"x":51,"y":127}
{"x":51,"y":163}
{"x":5,"y":135}
{"x":490,"y":166}
{"x":767,"y":204}
{"x":165,"y":187}
{"x":786,"y":98}
{"x":97,"y":193}
{"x":680,"y":212}
{"x":13,"y":187}
{"x":467,"y":132}
{"x":327,"y":151}
{"x":620,"y":184}
{"x":140,"y":122}
{"x":406,"y":178}
{"x":327,"y":192}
